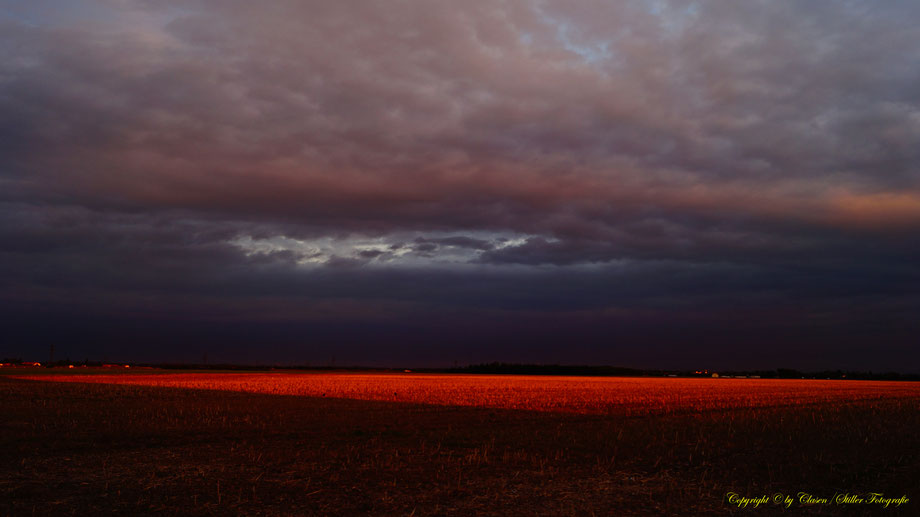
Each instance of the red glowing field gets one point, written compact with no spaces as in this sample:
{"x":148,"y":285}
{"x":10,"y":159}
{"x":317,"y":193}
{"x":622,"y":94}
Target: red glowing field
{"x":588,"y":395}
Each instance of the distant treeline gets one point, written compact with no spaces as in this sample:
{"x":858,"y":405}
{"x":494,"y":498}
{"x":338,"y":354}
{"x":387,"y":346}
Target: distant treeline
{"x":510,"y":369}
{"x":614,"y":371}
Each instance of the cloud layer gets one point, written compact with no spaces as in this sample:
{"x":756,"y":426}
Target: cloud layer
{"x":621,"y":182}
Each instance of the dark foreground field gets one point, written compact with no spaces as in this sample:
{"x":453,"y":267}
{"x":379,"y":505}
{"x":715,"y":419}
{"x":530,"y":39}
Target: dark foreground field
{"x":81,"y":449}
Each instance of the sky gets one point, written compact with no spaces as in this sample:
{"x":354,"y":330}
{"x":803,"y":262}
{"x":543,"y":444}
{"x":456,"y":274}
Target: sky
{"x":651,"y":184}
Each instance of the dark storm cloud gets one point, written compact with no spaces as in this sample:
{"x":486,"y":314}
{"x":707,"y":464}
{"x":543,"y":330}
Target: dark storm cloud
{"x":408,"y":168}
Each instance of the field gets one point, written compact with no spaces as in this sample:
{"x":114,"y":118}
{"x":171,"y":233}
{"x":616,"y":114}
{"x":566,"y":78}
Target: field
{"x":411,"y":444}
{"x":584,"y":395}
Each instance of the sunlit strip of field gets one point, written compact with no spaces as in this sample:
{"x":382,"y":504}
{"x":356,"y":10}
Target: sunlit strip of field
{"x":589,"y":395}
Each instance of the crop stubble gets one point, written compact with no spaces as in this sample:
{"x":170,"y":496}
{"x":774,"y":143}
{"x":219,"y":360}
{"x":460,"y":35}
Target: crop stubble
{"x":432,"y":445}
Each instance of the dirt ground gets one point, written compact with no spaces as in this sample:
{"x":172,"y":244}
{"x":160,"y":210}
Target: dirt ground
{"x":80,"y":449}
